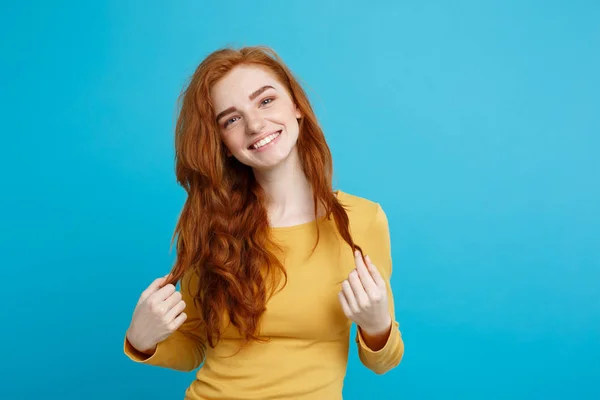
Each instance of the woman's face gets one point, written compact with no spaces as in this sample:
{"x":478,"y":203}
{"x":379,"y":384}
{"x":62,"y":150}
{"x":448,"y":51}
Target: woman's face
{"x":258,"y":121}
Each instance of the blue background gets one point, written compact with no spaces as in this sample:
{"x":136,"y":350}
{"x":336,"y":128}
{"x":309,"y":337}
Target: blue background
{"x":475,"y":124}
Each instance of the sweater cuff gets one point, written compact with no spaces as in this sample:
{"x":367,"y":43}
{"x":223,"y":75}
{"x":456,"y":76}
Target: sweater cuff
{"x":134,"y":354}
{"x":388,"y":343}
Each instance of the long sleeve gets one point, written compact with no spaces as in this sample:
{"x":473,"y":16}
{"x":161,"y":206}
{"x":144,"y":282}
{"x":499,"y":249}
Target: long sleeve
{"x":184,"y":350}
{"x":376,"y":244}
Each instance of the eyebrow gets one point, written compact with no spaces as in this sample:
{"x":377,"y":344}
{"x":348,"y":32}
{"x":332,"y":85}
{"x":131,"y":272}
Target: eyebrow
{"x":252,"y":96}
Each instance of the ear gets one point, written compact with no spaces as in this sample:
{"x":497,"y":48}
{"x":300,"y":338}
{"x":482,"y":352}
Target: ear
{"x":298,"y":113}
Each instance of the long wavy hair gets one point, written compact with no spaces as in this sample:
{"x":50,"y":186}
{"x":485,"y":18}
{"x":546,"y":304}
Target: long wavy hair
{"x":223,"y":233}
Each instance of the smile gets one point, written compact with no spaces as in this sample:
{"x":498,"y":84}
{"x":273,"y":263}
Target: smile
{"x":263,"y":142}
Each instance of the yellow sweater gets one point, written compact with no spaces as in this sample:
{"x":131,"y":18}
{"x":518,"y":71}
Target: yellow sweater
{"x":307,"y":352}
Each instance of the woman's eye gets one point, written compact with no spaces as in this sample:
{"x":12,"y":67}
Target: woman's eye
{"x":230,"y":121}
{"x":266,"y":101}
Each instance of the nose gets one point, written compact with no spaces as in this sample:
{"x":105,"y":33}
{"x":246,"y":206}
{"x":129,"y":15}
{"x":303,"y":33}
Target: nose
{"x":255,"y":123}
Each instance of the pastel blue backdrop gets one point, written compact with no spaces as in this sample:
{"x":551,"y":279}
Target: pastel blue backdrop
{"x":475,"y":124}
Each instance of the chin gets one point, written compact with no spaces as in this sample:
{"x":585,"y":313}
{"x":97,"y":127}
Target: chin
{"x":271,"y":164}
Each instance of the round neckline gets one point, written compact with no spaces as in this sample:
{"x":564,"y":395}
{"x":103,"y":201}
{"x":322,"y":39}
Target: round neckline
{"x":303,"y":225}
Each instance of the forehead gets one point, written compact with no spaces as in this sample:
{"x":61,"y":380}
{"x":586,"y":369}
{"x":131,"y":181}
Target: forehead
{"x":239,"y":83}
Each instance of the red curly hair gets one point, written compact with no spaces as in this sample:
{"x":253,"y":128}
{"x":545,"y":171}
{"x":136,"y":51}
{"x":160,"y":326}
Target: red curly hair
{"x":223,"y":233}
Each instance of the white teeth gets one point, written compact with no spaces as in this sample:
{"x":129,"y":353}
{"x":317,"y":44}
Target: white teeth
{"x":265,"y":141}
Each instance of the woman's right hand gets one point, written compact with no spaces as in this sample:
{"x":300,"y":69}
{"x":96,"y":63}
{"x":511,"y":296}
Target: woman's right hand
{"x":158,"y":313}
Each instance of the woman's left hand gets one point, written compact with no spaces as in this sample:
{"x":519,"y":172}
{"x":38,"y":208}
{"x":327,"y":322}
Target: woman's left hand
{"x":364,"y":298}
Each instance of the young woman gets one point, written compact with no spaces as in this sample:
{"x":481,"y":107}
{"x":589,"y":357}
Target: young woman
{"x":273,"y":264}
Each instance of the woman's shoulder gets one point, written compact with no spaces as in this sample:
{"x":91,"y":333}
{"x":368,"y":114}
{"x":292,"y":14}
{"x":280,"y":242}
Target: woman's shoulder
{"x":357,"y":204}
{"x":362,"y":212}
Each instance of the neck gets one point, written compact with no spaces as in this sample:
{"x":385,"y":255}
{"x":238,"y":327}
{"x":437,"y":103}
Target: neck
{"x":289,"y":193}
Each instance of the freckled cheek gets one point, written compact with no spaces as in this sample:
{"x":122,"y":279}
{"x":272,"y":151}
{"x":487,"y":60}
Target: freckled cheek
{"x":282,"y":114}
{"x":240,"y":144}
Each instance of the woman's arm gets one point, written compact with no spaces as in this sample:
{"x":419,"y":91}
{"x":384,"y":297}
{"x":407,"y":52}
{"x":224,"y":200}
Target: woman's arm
{"x":185,"y":349}
{"x":380,"y":351}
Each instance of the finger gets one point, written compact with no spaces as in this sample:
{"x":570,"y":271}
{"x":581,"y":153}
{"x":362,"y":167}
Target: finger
{"x":344,"y":304}
{"x":347,"y":290}
{"x":375,"y":273}
{"x":177,"y":322}
{"x":364,"y":275}
{"x":164,"y":292}
{"x":359,"y":291}
{"x":154,"y":286}
{"x":172,"y":300}
{"x":175,"y":311}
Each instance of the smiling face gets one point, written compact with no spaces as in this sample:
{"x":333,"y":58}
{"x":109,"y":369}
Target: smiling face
{"x":258,"y":121}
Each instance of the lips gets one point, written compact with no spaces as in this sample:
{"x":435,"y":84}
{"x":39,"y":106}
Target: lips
{"x":251,"y":147}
